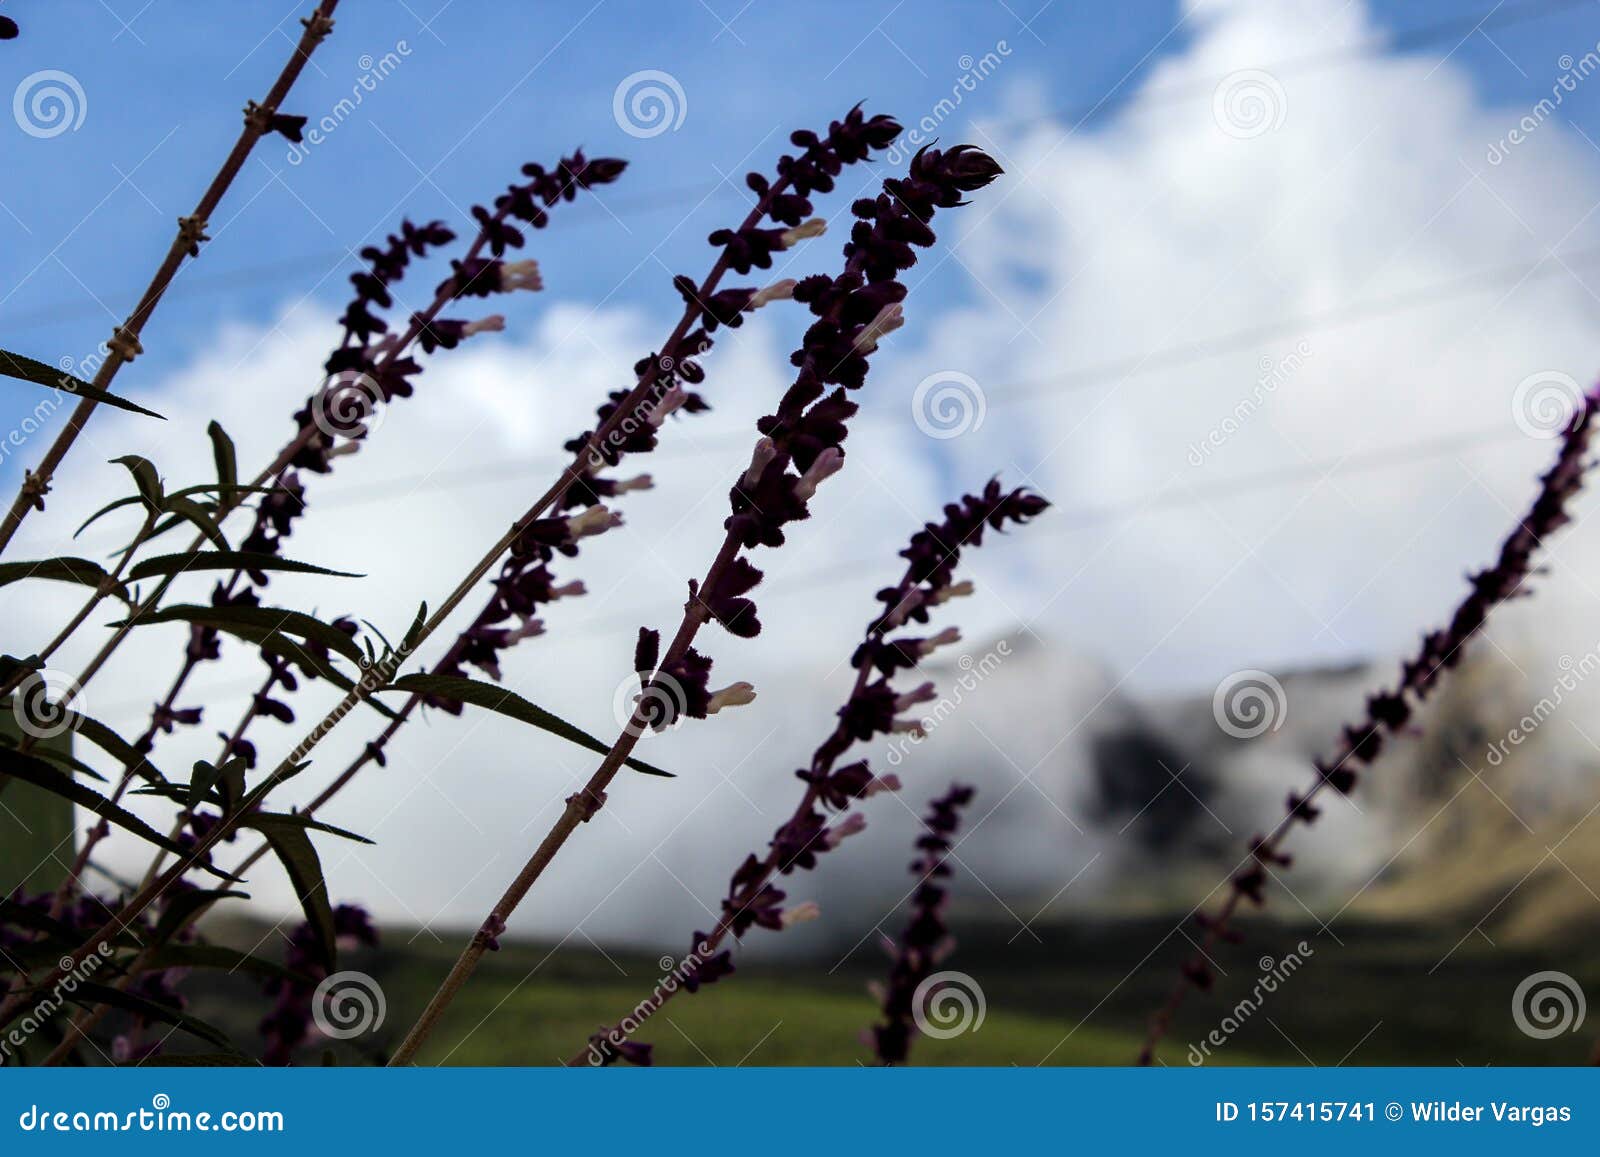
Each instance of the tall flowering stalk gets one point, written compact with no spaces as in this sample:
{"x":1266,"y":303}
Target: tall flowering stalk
{"x":371,"y":368}
{"x":799,"y":449}
{"x":526,"y":582}
{"x":926,"y":940}
{"x":875,"y":707}
{"x":749,"y":246}
{"x":1390,"y":712}
{"x":259,"y":120}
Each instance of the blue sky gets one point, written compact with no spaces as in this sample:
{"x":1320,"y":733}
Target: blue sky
{"x":1348,"y":307}
{"x":487,"y":86}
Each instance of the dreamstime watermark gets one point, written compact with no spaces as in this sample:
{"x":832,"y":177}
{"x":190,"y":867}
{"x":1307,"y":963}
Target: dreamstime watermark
{"x":48,"y":103}
{"x":1544,"y":404}
{"x":350,"y":404}
{"x":1573,"y":673}
{"x":1249,"y":103}
{"x":1274,"y":973}
{"x":374,"y":71}
{"x":348,"y":1004}
{"x":1573,"y":73}
{"x":645,"y":412}
{"x":973,"y":672}
{"x":644,"y":709}
{"x":1249,"y":703}
{"x":648,"y":103}
{"x":1273,"y":375}
{"x":47,"y":1006}
{"x":41,"y":704}
{"x":160,"y":1117}
{"x":65,"y":389}
{"x":1547,"y":1004}
{"x":973,"y":73}
{"x":676,"y":974}
{"x":948,"y":404}
{"x":948,"y":1004}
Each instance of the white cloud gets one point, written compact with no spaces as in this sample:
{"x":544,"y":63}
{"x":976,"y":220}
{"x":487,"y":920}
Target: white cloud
{"x":1153,"y":229}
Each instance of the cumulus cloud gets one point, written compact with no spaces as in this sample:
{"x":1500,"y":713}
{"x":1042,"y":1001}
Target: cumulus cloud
{"x":1275,"y":192}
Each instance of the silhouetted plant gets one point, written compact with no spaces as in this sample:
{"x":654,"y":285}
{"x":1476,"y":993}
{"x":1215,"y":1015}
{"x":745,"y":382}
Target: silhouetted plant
{"x":1389,"y":713}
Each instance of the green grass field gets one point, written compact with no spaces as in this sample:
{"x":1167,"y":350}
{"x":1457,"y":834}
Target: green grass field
{"x":1367,"y":994}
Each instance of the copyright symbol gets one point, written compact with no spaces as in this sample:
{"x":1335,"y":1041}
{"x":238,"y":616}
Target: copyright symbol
{"x":1394,"y":1112}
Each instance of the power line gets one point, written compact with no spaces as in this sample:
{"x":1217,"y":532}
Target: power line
{"x":1165,"y":358}
{"x":1066,"y":520}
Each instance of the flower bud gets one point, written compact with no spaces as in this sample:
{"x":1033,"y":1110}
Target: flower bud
{"x":943,"y":639}
{"x":777,"y":291}
{"x":923,"y":694}
{"x":828,"y":463}
{"x":852,"y":825}
{"x":521,"y":275}
{"x":766,"y":450}
{"x":494,"y":323}
{"x":733,"y":695}
{"x":815,"y":227}
{"x":595,"y":520}
{"x":802,"y":912}
{"x":958,"y":590}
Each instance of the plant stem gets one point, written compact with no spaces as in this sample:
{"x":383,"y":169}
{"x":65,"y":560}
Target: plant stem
{"x":580,"y":807}
{"x":125,"y":340}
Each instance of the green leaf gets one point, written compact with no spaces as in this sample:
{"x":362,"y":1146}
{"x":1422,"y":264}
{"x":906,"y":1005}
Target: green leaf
{"x":293,"y":847}
{"x":227,"y":459}
{"x":131,"y":500}
{"x":180,"y":906}
{"x":115,"y":746}
{"x":32,"y":770}
{"x":227,"y":778}
{"x":228,"y":959}
{"x":495,"y":698}
{"x":51,"y":753}
{"x":145,"y":477}
{"x":201,"y":560}
{"x":301,"y":820}
{"x":64,"y":569}
{"x":191,"y":511}
{"x":88,"y":994}
{"x":256,"y":624}
{"x":14,"y":365}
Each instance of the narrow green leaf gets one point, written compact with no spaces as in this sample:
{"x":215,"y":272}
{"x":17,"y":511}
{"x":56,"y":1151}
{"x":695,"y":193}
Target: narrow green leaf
{"x":300,"y":820}
{"x":254,"y":624}
{"x":226,"y":457}
{"x":227,"y":959}
{"x":62,"y":758}
{"x":498,"y":699}
{"x":202,"y":560}
{"x":178,"y":907}
{"x":29,"y":769}
{"x":115,"y":746}
{"x":145,"y":476}
{"x":294,"y":849}
{"x":15,"y":365}
{"x":64,"y":569}
{"x":191,"y":511}
{"x":88,"y":994}
{"x":131,"y":500}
